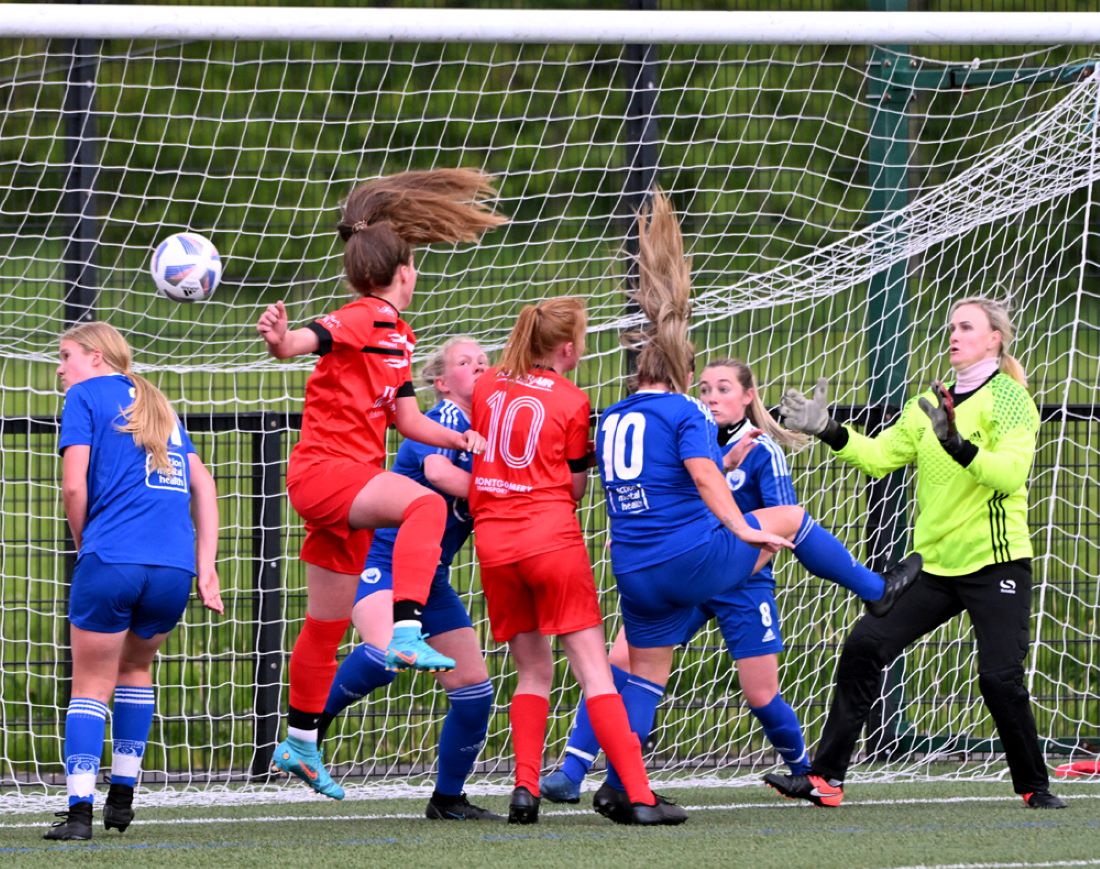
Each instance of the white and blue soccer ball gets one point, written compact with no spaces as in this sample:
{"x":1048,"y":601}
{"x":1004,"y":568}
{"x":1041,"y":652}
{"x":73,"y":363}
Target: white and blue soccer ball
{"x":186,"y":267}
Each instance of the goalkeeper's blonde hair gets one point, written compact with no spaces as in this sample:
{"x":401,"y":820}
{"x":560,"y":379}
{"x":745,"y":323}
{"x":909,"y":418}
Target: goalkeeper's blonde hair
{"x":150,"y":418}
{"x":665,"y":354}
{"x":999,"y":321}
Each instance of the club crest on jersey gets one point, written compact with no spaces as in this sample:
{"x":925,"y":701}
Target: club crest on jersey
{"x":736,"y":479}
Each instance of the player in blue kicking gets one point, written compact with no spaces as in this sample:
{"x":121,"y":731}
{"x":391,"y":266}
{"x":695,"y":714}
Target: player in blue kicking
{"x":452,"y":371}
{"x":678,"y":538}
{"x":132,"y":486}
{"x":758,"y":476}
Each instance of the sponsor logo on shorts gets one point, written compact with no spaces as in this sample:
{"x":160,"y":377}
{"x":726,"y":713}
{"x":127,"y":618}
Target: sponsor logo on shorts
{"x":1008,"y":586}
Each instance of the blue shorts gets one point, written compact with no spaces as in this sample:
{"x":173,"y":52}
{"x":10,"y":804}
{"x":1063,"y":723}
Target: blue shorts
{"x":747,"y":618}
{"x":443,"y":610}
{"x":109,"y":598}
{"x":660,"y":604}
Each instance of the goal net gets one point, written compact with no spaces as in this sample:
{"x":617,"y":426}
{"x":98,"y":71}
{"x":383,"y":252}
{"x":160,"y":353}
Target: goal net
{"x":835,"y":200}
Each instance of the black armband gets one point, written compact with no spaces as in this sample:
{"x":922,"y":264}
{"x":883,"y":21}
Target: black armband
{"x":960,"y":449}
{"x":580,"y":465}
{"x":324,"y":338}
{"x":834,"y":434}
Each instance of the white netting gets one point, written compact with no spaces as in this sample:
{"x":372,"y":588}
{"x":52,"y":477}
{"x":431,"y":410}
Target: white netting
{"x":774,"y":158}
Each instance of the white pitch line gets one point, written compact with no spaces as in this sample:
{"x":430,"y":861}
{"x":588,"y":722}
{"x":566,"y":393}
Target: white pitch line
{"x":776,"y":804}
{"x":1029,"y":865}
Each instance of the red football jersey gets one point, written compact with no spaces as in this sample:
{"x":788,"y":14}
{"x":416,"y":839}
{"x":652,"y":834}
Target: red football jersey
{"x":365,"y":364}
{"x":521,"y":493}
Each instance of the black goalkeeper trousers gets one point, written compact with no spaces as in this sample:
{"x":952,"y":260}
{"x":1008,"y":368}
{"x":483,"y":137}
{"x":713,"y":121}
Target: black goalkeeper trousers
{"x":998,"y":600}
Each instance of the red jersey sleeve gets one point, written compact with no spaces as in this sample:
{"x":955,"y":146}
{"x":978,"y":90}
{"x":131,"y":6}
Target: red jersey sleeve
{"x":577,"y":442}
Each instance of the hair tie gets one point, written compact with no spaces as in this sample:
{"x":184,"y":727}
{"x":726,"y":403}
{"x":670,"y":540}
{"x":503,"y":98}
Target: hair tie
{"x":359,"y":226}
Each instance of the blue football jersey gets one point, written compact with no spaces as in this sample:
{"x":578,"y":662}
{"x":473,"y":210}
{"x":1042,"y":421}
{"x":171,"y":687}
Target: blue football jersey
{"x":655,"y":510}
{"x":410,"y":463}
{"x":762,"y":480}
{"x":136,"y":514}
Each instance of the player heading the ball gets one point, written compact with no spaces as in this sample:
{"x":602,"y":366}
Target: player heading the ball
{"x":335,"y":479}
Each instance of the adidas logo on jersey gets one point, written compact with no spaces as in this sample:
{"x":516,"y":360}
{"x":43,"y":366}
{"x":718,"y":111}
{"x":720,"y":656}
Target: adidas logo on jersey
{"x":769,"y":636}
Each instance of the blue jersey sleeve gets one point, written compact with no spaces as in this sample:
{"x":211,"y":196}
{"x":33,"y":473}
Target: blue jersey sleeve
{"x":184,"y":438}
{"x":773,"y":476}
{"x":695,"y":432}
{"x":76,"y":419}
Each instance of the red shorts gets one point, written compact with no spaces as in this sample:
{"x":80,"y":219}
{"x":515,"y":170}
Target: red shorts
{"x":553,"y":593}
{"x":322,"y":492}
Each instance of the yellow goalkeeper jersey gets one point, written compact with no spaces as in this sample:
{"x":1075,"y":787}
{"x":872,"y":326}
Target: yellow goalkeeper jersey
{"x":967,"y":518}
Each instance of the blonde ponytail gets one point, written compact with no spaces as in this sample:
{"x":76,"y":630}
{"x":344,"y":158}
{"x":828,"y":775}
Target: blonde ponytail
{"x":756,"y":412}
{"x":666,"y":355}
{"x":149,"y":418}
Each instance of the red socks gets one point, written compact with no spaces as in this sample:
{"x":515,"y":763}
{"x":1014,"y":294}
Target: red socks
{"x":313,"y":662}
{"x":416,"y":550}
{"x":620,"y":744}
{"x":528,"y":716}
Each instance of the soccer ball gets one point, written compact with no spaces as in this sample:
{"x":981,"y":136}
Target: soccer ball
{"x":186,"y":267}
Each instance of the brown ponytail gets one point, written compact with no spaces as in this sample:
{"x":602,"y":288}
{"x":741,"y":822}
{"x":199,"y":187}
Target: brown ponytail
{"x":149,"y":418}
{"x":382,"y":220}
{"x":664,"y":294}
{"x":541,"y":329}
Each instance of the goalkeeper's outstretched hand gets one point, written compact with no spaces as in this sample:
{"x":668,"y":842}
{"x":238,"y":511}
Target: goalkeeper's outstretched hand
{"x":942,"y":414}
{"x":809,"y":415}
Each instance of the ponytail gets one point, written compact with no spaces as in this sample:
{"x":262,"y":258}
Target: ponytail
{"x":149,"y":419}
{"x":666,"y":355}
{"x":540,"y":329}
{"x":382,"y":219}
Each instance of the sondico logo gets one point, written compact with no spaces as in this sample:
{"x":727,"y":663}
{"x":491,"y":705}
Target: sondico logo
{"x":1008,"y":586}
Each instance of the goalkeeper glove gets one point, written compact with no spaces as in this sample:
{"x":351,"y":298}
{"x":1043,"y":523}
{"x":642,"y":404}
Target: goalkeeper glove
{"x":942,"y":416}
{"x":811,"y":415}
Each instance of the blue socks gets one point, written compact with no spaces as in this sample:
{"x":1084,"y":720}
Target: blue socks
{"x":359,"y":673}
{"x":462,"y":736}
{"x":582,"y":748}
{"x":131,"y":718}
{"x":781,"y":726}
{"x":825,"y":556}
{"x":85,"y":724}
{"x":641,"y":698}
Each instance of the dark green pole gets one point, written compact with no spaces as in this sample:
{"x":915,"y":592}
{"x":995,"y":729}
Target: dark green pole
{"x":888,"y":157}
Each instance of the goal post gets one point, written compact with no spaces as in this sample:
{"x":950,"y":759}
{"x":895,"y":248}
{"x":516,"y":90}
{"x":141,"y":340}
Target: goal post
{"x":841,"y":178}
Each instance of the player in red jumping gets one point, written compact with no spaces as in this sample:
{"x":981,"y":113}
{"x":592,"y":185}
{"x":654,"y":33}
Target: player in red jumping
{"x":534,"y":564}
{"x":335,"y":478}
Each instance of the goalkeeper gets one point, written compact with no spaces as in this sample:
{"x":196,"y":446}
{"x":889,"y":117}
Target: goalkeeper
{"x":973,"y":443}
